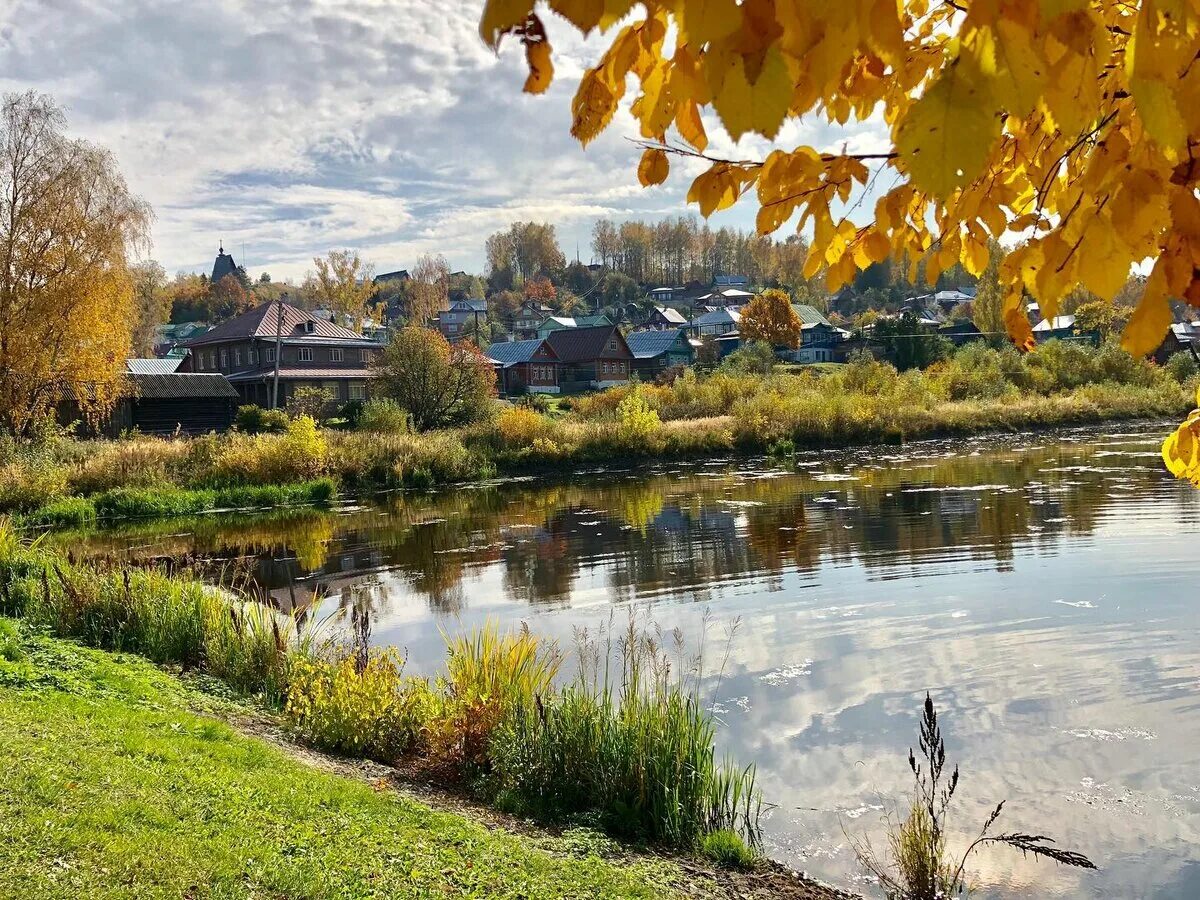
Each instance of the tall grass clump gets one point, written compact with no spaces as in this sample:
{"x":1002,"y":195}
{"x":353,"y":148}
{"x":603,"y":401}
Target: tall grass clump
{"x":489,"y":677}
{"x":920,"y":865}
{"x":629,"y":743}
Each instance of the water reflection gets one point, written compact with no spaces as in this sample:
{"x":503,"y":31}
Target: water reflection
{"x":1044,"y":590}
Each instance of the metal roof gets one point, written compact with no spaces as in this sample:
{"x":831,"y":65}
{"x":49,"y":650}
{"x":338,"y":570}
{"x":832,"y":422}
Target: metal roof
{"x":648,"y":344}
{"x":260,"y":322}
{"x":719,"y":317}
{"x":181,"y":386}
{"x":809,"y":315}
{"x":671,"y":315}
{"x":581,"y":344}
{"x":510,"y":353}
{"x":1058,"y":323}
{"x":153,"y":366}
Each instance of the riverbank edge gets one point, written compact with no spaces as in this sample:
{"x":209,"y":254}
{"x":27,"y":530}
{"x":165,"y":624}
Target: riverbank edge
{"x":137,"y":703}
{"x":715,"y":441}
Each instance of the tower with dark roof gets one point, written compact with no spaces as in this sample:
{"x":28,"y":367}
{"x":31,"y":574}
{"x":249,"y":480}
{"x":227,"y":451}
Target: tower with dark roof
{"x":223,"y":266}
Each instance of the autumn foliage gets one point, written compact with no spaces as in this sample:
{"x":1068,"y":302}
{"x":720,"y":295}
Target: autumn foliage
{"x":1072,"y":122}
{"x":769,"y":317}
{"x":1072,"y":125}
{"x":67,"y":226}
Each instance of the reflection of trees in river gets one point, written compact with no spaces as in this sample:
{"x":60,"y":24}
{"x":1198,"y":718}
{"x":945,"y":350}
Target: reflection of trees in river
{"x":685,"y":532}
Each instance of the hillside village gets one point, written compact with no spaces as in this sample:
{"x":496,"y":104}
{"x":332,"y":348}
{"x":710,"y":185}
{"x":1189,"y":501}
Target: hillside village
{"x":593,"y":329}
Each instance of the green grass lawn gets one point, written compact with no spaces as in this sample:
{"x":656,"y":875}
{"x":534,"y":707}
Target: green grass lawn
{"x":116,"y":785}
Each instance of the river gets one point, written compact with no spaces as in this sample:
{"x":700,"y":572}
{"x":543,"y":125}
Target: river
{"x":1043,"y":588}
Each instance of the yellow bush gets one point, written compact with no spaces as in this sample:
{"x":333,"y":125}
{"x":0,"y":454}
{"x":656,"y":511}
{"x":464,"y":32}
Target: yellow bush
{"x":301,"y":453}
{"x":637,"y":421}
{"x":519,"y":427}
{"x":377,"y":712}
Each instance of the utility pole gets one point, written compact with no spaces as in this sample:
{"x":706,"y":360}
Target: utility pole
{"x":278,"y":348}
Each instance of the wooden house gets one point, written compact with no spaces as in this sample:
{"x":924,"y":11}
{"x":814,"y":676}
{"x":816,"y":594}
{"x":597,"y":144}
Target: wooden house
{"x":594,"y":357}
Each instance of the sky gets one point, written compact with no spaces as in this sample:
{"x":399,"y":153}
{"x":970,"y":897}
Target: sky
{"x":287,"y":128}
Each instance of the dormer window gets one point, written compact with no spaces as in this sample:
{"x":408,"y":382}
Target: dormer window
{"x":310,"y":326}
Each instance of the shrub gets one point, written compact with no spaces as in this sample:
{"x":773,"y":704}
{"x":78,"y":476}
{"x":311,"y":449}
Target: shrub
{"x":727,"y":849}
{"x":636,"y":420}
{"x":299,"y":454}
{"x":753,"y":358}
{"x":256,"y":420}
{"x":366,"y":710}
{"x":383,"y":416}
{"x":436,"y":383}
{"x":1181,"y":366}
{"x":518,"y":427}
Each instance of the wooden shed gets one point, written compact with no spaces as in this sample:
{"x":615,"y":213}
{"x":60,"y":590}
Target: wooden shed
{"x":187,"y":402}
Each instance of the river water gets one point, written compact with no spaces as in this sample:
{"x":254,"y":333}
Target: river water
{"x":1043,"y":588}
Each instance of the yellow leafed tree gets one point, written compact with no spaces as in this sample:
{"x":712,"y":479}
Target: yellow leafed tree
{"x":769,"y":317}
{"x":67,"y":226}
{"x":1073,"y":124}
{"x":344,"y":284}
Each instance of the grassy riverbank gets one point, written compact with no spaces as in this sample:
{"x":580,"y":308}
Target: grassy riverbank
{"x":978,"y":390}
{"x":120,"y":782}
{"x":631,"y":753}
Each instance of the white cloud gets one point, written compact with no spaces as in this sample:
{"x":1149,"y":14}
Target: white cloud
{"x":295,"y":126}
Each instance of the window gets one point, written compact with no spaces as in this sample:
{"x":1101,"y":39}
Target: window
{"x":237,"y":357}
{"x":336,"y":355}
{"x":305,"y":354}
{"x":270,"y":355}
{"x":364,"y":356}
{"x":253,"y":356}
{"x":612,"y":344}
{"x":224,"y":359}
{"x":358,"y":390}
{"x":606,"y":368}
{"x":332,"y":388}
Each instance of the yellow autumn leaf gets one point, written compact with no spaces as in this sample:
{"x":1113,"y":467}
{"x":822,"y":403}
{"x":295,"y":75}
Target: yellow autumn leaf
{"x":1151,"y":318}
{"x":716,"y":189}
{"x":1159,"y":112}
{"x":945,"y":138}
{"x":759,"y":107}
{"x":541,"y":69}
{"x":499,"y":16}
{"x":653,"y":168}
{"x":690,"y":125}
{"x":1108,"y":259}
{"x":876,"y":246}
{"x":974,"y":255}
{"x":704,"y":21}
{"x":1016,"y":71}
{"x":593,"y":106}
